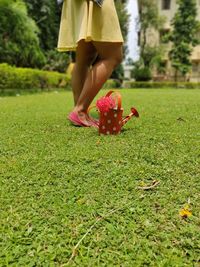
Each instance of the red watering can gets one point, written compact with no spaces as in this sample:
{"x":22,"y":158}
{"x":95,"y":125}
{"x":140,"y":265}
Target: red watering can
{"x":110,"y":114}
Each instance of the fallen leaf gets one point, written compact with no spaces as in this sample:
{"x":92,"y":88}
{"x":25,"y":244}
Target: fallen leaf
{"x":181,"y":119}
{"x":150,"y":186}
{"x":185,"y":212}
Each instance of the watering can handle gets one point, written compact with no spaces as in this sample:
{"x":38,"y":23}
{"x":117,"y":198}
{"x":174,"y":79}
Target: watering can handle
{"x":91,"y":107}
{"x":119,"y":98}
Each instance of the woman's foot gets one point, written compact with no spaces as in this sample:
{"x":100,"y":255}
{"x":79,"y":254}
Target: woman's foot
{"x":75,"y":120}
{"x":80,"y":118}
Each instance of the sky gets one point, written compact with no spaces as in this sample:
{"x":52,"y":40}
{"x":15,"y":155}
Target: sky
{"x":132,"y":37}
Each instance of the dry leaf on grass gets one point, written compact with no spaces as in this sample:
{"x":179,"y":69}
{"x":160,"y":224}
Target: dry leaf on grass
{"x":150,"y":186}
{"x":185,"y":212}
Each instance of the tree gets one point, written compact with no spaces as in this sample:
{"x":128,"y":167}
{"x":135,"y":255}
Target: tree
{"x":46,"y":14}
{"x":19,"y":43}
{"x":184,"y":36}
{"x":124,"y":19}
{"x":129,"y":61}
{"x":150,"y":55}
{"x":149,"y":19}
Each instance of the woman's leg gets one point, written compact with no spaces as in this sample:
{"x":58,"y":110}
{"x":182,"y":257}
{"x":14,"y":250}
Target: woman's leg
{"x":85,"y":55}
{"x":110,"y":55}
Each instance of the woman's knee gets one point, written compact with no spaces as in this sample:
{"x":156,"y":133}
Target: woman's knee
{"x":115,"y":59}
{"x":86,"y":53}
{"x":112,"y":52}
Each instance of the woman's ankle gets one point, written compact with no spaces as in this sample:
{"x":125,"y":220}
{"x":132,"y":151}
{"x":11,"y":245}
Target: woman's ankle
{"x":79,"y":110}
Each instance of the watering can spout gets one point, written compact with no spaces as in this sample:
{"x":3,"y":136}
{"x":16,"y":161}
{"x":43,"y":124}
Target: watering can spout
{"x":134,"y":113}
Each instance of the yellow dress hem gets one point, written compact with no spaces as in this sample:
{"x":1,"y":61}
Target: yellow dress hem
{"x":84,"y":20}
{"x":73,"y":48}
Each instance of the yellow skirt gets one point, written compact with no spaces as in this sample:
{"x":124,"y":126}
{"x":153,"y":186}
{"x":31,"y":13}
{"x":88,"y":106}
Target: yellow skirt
{"x":83,"y":19}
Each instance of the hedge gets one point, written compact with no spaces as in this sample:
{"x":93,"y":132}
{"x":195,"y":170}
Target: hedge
{"x":186,"y":85}
{"x":111,"y":83}
{"x":15,"y":79}
{"x":26,"y":78}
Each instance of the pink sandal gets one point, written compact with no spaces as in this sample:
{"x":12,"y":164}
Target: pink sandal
{"x":76,"y":120}
{"x":95,"y":121}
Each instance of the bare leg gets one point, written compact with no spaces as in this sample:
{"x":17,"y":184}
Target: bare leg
{"x":110,"y":56}
{"x":85,"y":55}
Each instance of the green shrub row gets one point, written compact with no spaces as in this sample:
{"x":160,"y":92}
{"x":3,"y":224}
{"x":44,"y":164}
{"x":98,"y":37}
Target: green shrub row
{"x":112,"y":83}
{"x":186,"y":85}
{"x":26,"y":78}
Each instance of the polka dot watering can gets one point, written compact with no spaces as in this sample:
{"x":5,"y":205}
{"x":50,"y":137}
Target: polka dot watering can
{"x":111,"y":112}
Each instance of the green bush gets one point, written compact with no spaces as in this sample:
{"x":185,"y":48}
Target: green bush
{"x":118,"y":73}
{"x":179,"y":85}
{"x":142,"y":74}
{"x":56,"y":61}
{"x":25,"y":78}
{"x":112,"y":83}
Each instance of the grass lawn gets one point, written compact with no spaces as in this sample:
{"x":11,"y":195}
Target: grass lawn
{"x":63,"y":186}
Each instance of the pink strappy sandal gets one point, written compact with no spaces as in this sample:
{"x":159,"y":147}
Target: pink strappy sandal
{"x":95,"y":121}
{"x":76,"y":120}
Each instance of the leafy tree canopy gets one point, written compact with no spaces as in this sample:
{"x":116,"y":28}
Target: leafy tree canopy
{"x":19,"y":43}
{"x":46,"y":14}
{"x":184,"y":36}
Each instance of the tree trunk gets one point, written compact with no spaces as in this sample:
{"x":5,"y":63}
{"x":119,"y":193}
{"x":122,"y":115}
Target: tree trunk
{"x":176,"y":75}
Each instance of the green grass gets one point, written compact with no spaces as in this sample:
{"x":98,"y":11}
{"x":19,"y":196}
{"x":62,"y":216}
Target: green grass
{"x":57,"y":180}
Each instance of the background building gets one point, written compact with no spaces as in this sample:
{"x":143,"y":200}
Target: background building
{"x":168,"y":9}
